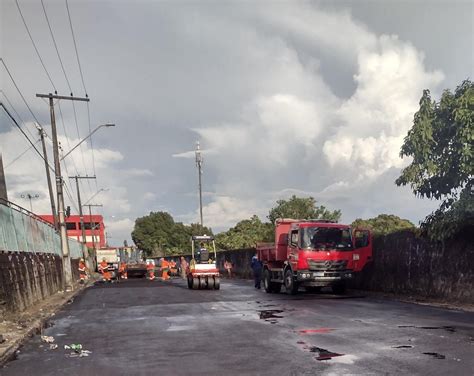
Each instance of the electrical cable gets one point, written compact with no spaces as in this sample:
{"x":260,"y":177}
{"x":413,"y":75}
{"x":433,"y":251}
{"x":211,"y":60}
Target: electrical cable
{"x":16,"y":113}
{"x":20,"y":155}
{"x":36,"y":49}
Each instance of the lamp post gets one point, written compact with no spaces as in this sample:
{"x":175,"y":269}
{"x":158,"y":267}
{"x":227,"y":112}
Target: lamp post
{"x":85,"y":138}
{"x":199,"y":167}
{"x":29,"y":196}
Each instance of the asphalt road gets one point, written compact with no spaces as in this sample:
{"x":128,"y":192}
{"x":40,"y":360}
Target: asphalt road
{"x":158,"y":328}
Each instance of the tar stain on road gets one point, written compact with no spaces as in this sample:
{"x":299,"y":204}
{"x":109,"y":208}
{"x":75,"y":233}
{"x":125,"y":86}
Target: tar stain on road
{"x":270,"y":314}
{"x":450,"y":329}
{"x":323,"y":354}
{"x":435,"y":355}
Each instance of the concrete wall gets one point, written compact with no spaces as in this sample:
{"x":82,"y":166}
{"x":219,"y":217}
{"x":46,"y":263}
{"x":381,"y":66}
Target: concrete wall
{"x":406,"y":264}
{"x":403,"y":264}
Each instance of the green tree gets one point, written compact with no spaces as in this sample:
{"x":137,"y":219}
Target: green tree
{"x":158,"y":233}
{"x":245,"y":234}
{"x":384,"y":224}
{"x":301,"y":208}
{"x":441,"y":146}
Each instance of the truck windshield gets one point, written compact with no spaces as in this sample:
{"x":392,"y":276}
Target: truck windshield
{"x":326,"y":238}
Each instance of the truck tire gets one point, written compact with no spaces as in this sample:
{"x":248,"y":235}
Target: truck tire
{"x":291,"y":285}
{"x":339,"y":289}
{"x":190,"y":282}
{"x":270,"y":287}
{"x":202,"y":283}
{"x":210,"y":283}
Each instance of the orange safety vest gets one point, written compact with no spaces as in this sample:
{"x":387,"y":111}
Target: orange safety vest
{"x":104,"y":266}
{"x":165,"y":264}
{"x":82,"y":267}
{"x":150,"y":267}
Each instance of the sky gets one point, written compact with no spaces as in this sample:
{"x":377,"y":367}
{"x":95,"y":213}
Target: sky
{"x":305,"y":98}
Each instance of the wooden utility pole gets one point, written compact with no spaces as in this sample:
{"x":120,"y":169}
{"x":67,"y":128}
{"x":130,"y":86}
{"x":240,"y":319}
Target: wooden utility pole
{"x":93,"y":228}
{"x":81,"y":215}
{"x":68,"y":283}
{"x":42,"y":134}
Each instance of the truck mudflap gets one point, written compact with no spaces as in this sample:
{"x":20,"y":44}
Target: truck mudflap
{"x":323,"y":278}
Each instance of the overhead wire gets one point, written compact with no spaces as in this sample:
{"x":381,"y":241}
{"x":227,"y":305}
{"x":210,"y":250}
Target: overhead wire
{"x":20,"y":155}
{"x":16,"y":113}
{"x":83,"y":85}
{"x":36,"y":48}
{"x":67,"y":81}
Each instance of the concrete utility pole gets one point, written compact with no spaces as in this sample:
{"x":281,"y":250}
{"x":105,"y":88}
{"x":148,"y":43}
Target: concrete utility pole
{"x":42,"y":134}
{"x":81,"y":215}
{"x":93,"y":228}
{"x":199,"y":161}
{"x":59,"y":188}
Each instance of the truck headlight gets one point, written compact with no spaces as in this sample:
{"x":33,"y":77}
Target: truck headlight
{"x":355,"y":256}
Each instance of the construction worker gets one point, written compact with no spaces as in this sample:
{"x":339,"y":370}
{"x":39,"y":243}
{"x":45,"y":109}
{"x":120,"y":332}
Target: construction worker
{"x":173,"y":270}
{"x":82,"y":271}
{"x":184,"y":267}
{"x":165,"y":265}
{"x":257,"y":267}
{"x":104,"y":269}
{"x":123,"y":270}
{"x":150,"y":269}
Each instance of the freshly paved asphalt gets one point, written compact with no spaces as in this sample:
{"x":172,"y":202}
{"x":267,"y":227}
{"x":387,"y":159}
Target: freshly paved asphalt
{"x":157,"y":328}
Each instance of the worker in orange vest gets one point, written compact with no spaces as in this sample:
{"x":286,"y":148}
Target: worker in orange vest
{"x":150,"y":268}
{"x":123,"y":270}
{"x":82,"y":271}
{"x":165,"y":265}
{"x":104,"y":269}
{"x":173,"y":269}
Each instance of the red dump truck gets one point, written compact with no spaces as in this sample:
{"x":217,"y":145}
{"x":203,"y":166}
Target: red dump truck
{"x":313,"y":254}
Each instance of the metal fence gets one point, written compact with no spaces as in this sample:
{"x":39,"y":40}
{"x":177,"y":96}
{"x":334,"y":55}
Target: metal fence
{"x":23,"y":231}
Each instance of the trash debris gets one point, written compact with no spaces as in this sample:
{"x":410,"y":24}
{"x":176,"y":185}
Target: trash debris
{"x":270,"y":314}
{"x":73,"y":346}
{"x":80,"y":354}
{"x":47,"y":339}
{"x":53,"y":346}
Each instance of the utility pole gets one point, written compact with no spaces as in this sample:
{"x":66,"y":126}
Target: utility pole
{"x":199,"y":161}
{"x":93,"y":228}
{"x":81,"y":215}
{"x":42,"y":134}
{"x":68,"y":283}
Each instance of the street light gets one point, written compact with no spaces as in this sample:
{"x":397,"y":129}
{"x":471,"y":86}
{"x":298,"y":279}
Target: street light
{"x":29,"y":196}
{"x":85,"y":138}
{"x":95,"y":194}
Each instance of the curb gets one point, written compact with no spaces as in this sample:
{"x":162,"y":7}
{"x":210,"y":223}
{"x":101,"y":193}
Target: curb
{"x":36,"y":326}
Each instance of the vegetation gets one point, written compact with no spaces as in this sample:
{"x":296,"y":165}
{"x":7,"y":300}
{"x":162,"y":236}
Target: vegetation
{"x":441,"y":145}
{"x":246,"y":234}
{"x":301,"y":208}
{"x":384,"y":224}
{"x":157,"y":234}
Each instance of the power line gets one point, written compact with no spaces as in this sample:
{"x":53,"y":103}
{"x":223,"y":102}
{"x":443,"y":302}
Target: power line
{"x":75,"y":48}
{"x":56,"y":46}
{"x":16,"y":112}
{"x":34,"y":45}
{"x":19,"y":91}
{"x":66,"y":77}
{"x":23,"y":132}
{"x":21,"y":155}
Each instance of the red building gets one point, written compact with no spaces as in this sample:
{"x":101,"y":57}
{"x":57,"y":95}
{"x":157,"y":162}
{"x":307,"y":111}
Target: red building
{"x":94,"y":229}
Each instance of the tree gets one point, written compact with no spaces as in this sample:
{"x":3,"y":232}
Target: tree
{"x":301,"y":208}
{"x":384,"y":224}
{"x":441,"y":145}
{"x":246,"y":234}
{"x":158,"y":234}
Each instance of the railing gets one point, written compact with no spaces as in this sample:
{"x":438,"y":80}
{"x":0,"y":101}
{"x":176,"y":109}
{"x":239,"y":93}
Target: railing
{"x":23,"y":231}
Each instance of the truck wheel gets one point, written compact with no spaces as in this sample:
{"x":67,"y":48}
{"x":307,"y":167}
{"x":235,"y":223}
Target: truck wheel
{"x":210,"y":283}
{"x":190,"y":282}
{"x":195,"y":283}
{"x":290,"y":284}
{"x":339,"y":289}
{"x":217,"y":283}
{"x":202,"y":283}
{"x":267,"y":284}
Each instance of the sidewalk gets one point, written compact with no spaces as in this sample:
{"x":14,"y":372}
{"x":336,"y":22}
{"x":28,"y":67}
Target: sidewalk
{"x":16,"y":328}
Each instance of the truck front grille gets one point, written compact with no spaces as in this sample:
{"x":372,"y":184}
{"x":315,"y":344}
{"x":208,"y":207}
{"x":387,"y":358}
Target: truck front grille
{"x":327,"y":264}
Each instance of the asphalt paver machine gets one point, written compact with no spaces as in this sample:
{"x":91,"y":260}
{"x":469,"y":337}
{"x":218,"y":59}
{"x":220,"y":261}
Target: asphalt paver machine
{"x":202,"y":270}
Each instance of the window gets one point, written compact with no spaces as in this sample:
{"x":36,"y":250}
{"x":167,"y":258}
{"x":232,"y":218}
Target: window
{"x":294,"y":238}
{"x":91,"y":225}
{"x":327,"y":238}
{"x":71,"y":226}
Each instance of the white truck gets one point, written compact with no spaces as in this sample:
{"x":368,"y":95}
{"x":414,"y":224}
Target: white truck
{"x":111,"y":255}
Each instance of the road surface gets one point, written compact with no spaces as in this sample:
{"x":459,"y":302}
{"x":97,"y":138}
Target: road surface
{"x":162,"y":328}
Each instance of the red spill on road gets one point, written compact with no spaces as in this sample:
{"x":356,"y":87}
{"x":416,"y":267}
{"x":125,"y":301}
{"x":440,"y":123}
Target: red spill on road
{"x":319,"y":330}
